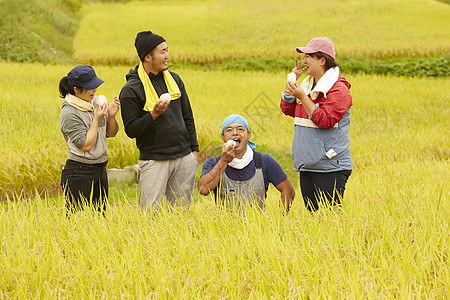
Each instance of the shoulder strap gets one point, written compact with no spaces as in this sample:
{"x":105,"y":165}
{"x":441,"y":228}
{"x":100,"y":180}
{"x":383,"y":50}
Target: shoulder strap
{"x":258,"y":159}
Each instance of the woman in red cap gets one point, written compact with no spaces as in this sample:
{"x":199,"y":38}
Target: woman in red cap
{"x":85,"y":124}
{"x":320,"y":106}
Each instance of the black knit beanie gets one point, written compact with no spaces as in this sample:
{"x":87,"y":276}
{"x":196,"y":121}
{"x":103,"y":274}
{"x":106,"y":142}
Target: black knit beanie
{"x":145,"y":42}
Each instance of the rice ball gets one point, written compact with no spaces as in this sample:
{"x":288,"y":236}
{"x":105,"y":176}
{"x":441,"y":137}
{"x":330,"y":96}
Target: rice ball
{"x":291,"y":77}
{"x":230,"y":143}
{"x":165,"y":97}
{"x":101,"y":100}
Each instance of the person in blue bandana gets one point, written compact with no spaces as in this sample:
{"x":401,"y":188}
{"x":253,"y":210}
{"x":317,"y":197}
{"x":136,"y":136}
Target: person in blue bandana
{"x":240,"y":176}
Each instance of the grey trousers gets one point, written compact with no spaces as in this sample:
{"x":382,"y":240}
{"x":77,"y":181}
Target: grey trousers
{"x":171,"y":181}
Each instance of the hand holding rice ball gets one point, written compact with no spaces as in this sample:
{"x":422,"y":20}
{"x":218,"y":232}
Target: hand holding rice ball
{"x":292,"y":78}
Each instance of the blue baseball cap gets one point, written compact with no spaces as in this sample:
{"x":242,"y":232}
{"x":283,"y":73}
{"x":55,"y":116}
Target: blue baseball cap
{"x":84,"y":76}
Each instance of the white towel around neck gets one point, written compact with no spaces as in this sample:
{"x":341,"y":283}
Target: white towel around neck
{"x":240,"y":163}
{"x":324,"y":84}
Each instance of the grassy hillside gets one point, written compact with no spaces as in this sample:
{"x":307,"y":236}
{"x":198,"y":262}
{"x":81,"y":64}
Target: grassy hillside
{"x":38,"y":30}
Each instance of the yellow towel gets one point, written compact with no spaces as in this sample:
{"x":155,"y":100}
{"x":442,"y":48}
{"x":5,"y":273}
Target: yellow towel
{"x":150,"y":94}
{"x":78,"y":103}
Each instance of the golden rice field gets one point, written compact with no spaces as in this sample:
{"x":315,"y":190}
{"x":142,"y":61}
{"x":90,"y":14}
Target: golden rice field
{"x":391,"y":239}
{"x":384,"y":245}
{"x":394,"y":120}
{"x":207,"y":32}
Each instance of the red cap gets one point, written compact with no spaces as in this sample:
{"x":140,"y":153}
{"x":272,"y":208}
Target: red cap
{"x":319,"y":44}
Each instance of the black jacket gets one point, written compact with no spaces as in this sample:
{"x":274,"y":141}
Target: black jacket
{"x":172,"y":134}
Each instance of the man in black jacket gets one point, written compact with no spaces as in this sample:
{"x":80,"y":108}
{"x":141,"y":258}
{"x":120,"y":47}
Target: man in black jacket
{"x":156,"y":112}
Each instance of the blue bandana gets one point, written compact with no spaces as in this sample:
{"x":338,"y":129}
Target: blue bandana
{"x":237,"y":119}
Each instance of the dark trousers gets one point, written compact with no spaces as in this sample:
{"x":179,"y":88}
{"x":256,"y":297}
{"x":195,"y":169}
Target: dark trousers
{"x":84,"y":185}
{"x":325,"y":188}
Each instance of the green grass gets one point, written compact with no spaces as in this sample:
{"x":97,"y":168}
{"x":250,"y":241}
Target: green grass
{"x":37,"y":30}
{"x":413,"y":67}
{"x":40,"y":30}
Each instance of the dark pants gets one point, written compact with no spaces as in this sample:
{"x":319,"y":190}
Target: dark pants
{"x":325,"y":188}
{"x":84,"y":185}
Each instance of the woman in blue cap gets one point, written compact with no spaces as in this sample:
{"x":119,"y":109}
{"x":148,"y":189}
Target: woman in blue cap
{"x":85,"y":124}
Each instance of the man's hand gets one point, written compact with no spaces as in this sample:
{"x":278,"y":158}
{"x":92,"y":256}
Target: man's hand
{"x":287,"y":194}
{"x":159,"y":108}
{"x":227,"y":154}
{"x":209,"y":181}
